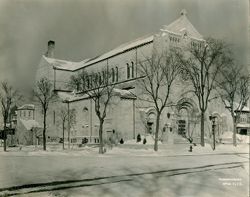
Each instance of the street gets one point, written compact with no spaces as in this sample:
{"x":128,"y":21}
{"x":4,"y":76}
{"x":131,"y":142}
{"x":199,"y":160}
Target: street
{"x":121,"y":173}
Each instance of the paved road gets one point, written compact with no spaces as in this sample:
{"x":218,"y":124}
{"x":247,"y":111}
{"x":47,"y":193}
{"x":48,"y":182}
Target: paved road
{"x":114,"y":175}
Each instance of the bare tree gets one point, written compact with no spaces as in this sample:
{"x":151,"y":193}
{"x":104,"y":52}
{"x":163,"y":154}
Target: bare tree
{"x":201,"y":63}
{"x":98,"y":88}
{"x":67,"y":115}
{"x":194,"y":120}
{"x":44,"y":93}
{"x":7,"y":96}
{"x":234,"y":89}
{"x":159,"y":73}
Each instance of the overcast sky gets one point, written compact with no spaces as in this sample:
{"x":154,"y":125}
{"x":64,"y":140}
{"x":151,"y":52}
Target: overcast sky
{"x":86,"y":28}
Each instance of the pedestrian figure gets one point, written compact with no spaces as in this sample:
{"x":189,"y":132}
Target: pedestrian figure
{"x":138,"y":139}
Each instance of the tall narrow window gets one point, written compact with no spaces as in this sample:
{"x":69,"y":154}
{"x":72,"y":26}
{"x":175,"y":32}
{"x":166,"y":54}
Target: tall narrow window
{"x":103,"y":76}
{"x":54,"y":117}
{"x":128,"y":71}
{"x":116,"y":69}
{"x":87,"y":82}
{"x":90,"y":81}
{"x":100,"y":78}
{"x":133,"y":70}
{"x":29,"y":113}
{"x":96,"y":80}
{"x":113,"y":74}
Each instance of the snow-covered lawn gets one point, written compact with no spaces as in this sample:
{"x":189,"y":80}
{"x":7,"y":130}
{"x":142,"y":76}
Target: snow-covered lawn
{"x":126,"y":170}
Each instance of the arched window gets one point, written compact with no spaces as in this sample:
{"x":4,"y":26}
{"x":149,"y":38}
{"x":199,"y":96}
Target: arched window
{"x":104,"y":76}
{"x":100,"y":78}
{"x":113,"y":74}
{"x":85,"y":110}
{"x":90,"y":81}
{"x":95,"y":80}
{"x":116,"y":69}
{"x":87,"y":82}
{"x":133,"y":69}
{"x":128,"y":71}
{"x":54,"y":117}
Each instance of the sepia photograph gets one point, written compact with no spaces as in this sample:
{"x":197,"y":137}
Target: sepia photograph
{"x":124,"y":98}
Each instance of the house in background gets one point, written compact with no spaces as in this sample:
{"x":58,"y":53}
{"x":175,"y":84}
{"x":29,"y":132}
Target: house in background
{"x":243,"y":126}
{"x":28,"y":130}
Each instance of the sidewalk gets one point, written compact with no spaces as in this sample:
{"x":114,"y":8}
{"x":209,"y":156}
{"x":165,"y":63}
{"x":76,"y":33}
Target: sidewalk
{"x":126,"y":150}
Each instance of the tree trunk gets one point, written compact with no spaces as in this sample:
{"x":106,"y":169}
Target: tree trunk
{"x":234,"y":133}
{"x":44,"y":130}
{"x":100,"y":137}
{"x":4,"y":138}
{"x":68,"y":128}
{"x":157,"y":131}
{"x":213,"y":129}
{"x":63,"y":137}
{"x":202,"y":128}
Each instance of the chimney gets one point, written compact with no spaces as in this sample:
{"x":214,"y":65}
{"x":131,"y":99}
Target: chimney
{"x":50,"y":51}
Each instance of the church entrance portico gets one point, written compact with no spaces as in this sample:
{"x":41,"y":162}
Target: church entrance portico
{"x":151,"y":117}
{"x":187,"y":118}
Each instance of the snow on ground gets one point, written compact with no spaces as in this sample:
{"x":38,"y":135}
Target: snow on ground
{"x":149,"y":140}
{"x":131,"y":148}
{"x":227,"y":137}
{"x":127,"y":170}
{"x":243,"y":138}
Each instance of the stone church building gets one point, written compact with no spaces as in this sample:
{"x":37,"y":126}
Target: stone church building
{"x":127,"y":115}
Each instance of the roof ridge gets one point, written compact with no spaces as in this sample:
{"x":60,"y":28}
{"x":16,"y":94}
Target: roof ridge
{"x":183,"y":22}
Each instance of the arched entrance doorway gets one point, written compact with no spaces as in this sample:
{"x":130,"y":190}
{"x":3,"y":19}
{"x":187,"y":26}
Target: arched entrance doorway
{"x":187,"y":117}
{"x":151,"y":117}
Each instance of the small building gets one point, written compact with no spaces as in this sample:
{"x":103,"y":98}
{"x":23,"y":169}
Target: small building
{"x":243,"y":125}
{"x":28,"y":130}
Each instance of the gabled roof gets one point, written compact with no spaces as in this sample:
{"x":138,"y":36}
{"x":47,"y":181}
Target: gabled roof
{"x":29,"y":124}
{"x":27,"y":106}
{"x":65,"y":65}
{"x":237,"y":106}
{"x":72,"y":66}
{"x":176,"y":27}
{"x":183,"y":24}
{"x":71,"y":97}
{"x":122,"y":48}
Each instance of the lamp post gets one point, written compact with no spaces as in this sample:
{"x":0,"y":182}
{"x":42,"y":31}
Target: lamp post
{"x":212,"y":118}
